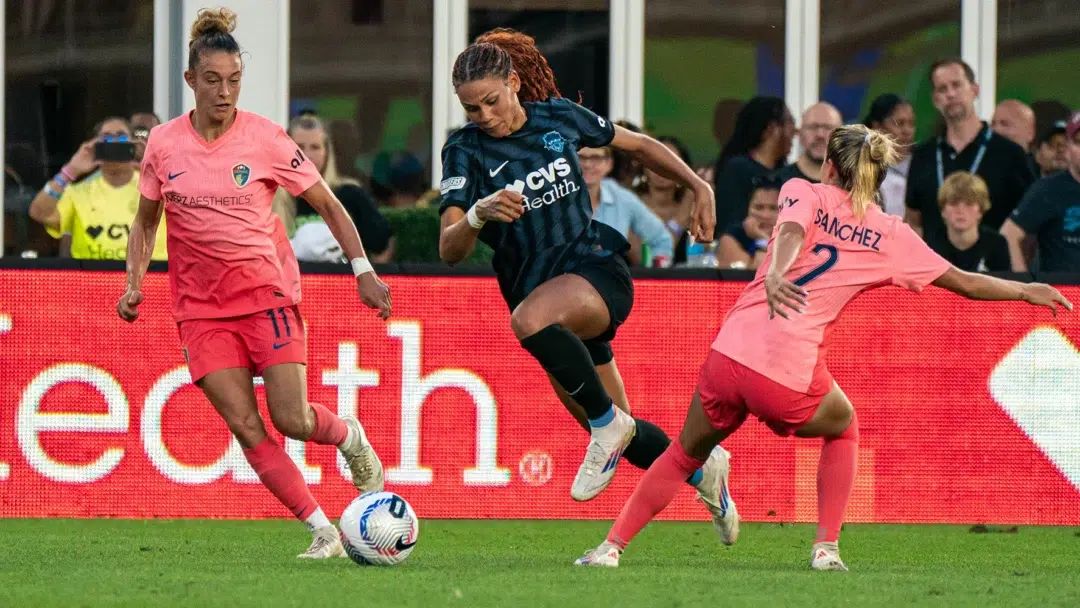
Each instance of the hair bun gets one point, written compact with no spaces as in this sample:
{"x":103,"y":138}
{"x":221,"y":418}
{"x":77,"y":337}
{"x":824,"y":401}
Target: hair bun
{"x":875,"y":145}
{"x":213,"y":20}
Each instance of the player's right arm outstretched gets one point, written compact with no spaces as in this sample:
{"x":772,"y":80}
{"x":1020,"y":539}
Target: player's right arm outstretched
{"x":140,"y":249}
{"x":977,"y":286}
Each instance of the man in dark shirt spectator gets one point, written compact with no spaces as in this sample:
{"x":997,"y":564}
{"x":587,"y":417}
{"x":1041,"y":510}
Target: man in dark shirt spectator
{"x":964,"y":200}
{"x":818,"y":122}
{"x":967,"y":145}
{"x":1050,"y":212}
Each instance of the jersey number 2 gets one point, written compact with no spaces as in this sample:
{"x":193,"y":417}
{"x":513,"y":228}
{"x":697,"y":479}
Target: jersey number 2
{"x":821,"y":268}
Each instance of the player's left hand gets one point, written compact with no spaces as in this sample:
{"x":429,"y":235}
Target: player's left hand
{"x":1040,"y":294}
{"x":781,"y":293}
{"x":703,"y":220}
{"x":374,"y":293}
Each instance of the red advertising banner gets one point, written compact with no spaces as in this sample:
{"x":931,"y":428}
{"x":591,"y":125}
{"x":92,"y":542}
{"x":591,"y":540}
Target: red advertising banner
{"x":969,"y":412}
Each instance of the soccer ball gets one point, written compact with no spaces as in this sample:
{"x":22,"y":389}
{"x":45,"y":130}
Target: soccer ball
{"x":379,"y":529}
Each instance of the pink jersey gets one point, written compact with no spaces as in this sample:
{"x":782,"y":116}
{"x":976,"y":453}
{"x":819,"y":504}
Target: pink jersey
{"x":841,"y":257}
{"x":228,"y":252}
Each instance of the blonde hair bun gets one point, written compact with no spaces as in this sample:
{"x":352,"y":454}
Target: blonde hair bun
{"x":211,"y":20}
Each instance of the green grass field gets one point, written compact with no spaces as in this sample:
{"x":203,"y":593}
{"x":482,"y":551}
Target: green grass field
{"x":506,"y":563}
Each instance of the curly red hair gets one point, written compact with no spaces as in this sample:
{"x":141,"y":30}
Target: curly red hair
{"x":496,"y":52}
{"x":537,"y":79}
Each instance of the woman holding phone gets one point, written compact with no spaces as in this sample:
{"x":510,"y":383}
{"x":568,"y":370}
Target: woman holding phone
{"x":92,"y":200}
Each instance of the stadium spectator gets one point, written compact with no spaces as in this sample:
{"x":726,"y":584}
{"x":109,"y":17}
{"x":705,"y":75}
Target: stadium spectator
{"x":346,"y":138}
{"x":725,"y":113}
{"x":620,"y":208}
{"x":895,"y":116}
{"x":1050,"y":157}
{"x":398,"y":179}
{"x":314,"y":243}
{"x":1016,"y":121}
{"x":759,"y":144}
{"x":966,"y":243}
{"x":1050,"y":212}
{"x":1049,"y":111}
{"x":743,"y":244}
{"x":968,"y":144}
{"x":96,"y":212}
{"x":669,"y":201}
{"x":818,"y":121}
{"x":141,"y":123}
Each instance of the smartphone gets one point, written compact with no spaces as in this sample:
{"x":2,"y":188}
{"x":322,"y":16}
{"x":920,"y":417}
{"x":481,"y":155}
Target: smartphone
{"x":114,"y":151}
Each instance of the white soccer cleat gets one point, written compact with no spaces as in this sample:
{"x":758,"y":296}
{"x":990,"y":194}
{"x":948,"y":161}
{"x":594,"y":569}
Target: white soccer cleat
{"x":602,"y":456}
{"x":713,"y":492}
{"x":364,"y":463}
{"x":826,"y":556}
{"x":604,"y":556}
{"x":325,"y":543}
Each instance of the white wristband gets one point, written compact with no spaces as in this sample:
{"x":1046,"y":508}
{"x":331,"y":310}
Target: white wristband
{"x":360,"y":266}
{"x":474,"y":220}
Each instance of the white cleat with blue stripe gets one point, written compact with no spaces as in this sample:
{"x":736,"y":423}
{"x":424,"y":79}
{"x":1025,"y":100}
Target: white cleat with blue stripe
{"x":605,"y":556}
{"x":602,"y":456}
{"x":713,"y":491}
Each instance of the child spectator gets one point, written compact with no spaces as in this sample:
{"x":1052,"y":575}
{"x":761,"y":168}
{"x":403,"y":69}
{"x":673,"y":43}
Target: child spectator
{"x":966,"y":243}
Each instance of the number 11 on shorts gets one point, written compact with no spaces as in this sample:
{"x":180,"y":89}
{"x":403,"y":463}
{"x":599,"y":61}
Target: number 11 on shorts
{"x":284,"y":322}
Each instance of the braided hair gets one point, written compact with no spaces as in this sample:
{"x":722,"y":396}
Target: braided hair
{"x":495,"y":53}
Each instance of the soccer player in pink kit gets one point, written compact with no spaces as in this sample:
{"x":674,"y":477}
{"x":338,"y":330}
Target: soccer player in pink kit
{"x":831,"y":242}
{"x":234,"y":279}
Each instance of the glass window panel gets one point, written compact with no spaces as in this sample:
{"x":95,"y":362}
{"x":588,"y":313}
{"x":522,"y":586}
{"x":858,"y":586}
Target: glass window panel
{"x":1038,"y":52}
{"x":367,"y":74}
{"x":868,"y":49}
{"x":572,"y":34}
{"x":703,"y":59}
{"x":68,"y":65}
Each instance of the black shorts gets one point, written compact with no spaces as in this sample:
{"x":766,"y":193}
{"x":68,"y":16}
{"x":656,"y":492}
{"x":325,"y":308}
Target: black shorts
{"x":610,"y":276}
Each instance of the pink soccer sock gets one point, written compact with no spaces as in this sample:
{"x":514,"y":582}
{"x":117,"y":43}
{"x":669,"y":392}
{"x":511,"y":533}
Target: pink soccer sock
{"x":279,"y":474}
{"x":654,"y":492}
{"x":329,"y":428}
{"x":835,"y":481}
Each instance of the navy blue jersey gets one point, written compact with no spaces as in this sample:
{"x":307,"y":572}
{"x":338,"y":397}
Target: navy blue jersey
{"x":555,"y":234}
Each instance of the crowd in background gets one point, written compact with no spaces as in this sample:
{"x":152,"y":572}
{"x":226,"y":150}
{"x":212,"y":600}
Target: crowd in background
{"x":997,"y":196}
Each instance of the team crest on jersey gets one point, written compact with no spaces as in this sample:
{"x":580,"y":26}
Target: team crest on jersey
{"x":554,"y":141}
{"x":240,"y":174}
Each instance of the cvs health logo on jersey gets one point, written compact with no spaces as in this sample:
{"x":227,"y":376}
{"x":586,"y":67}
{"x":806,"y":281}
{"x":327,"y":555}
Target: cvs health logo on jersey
{"x":544,"y":187}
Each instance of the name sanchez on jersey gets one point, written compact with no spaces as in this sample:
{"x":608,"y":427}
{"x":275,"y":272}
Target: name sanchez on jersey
{"x":846,"y":232}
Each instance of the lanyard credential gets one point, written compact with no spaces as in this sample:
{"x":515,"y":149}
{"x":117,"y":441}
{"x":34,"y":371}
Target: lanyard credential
{"x":974,"y":165}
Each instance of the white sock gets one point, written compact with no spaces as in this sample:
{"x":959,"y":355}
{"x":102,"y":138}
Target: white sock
{"x":316,"y":520}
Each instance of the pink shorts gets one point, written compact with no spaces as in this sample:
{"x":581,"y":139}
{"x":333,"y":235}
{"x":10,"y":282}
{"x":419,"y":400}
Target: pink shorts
{"x":254,"y":341}
{"x":730,"y":391}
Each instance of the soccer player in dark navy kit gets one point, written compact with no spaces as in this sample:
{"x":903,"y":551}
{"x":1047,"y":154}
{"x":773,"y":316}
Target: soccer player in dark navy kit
{"x":512,"y":179}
